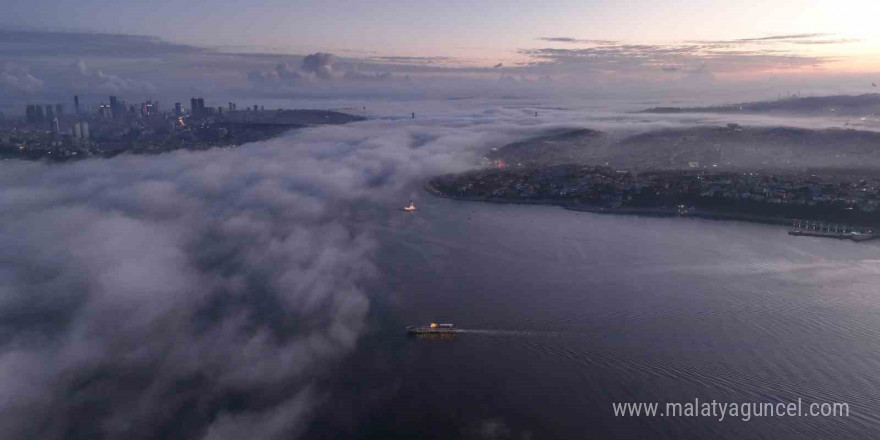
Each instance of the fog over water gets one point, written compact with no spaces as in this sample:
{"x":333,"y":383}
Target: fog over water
{"x":198,"y":294}
{"x":260,"y":292}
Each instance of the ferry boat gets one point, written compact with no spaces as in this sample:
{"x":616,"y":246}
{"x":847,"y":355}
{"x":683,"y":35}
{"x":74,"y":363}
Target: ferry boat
{"x":410,"y":207}
{"x":431,"y":329}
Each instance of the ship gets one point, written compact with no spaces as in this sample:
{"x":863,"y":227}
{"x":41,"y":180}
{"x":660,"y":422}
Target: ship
{"x":432,"y":329}
{"x":410,"y":207}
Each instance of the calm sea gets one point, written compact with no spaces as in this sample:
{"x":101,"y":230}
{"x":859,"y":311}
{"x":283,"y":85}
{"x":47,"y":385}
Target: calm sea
{"x":566,"y":313}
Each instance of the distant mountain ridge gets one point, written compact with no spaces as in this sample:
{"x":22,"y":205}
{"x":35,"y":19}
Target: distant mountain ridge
{"x":844,"y":105}
{"x":732,"y":146}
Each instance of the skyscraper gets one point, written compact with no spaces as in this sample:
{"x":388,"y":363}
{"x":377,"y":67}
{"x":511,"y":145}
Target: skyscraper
{"x":114,"y":106}
{"x":39,"y":113}
{"x":178,"y":109}
{"x":56,"y":126}
{"x":76,"y":104}
{"x":50,"y":113}
{"x":31,"y":113}
{"x":85,"y":131}
{"x":59,"y":110}
{"x":105,"y":111}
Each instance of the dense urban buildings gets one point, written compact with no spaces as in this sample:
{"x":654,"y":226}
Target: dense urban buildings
{"x":762,"y":196}
{"x":115,"y":126}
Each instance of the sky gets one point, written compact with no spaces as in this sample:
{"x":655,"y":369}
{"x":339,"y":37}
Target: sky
{"x":484,"y":32}
{"x":170,"y":50}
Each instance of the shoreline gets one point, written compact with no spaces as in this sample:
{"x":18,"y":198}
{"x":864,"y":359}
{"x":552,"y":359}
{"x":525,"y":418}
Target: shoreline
{"x":645,"y":212}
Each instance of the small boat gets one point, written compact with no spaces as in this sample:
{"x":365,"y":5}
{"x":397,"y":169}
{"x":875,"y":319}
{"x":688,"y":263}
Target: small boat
{"x":431,"y":329}
{"x":411,"y":207}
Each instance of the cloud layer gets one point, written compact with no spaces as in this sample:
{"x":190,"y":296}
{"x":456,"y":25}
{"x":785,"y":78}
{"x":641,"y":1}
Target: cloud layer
{"x":36,"y":67}
{"x":200,"y":295}
{"x":135,"y":301}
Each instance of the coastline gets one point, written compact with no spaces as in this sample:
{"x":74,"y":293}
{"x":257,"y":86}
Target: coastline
{"x":645,"y":212}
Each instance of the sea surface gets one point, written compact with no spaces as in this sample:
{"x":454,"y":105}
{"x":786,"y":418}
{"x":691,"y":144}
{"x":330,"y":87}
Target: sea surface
{"x":567,"y":312}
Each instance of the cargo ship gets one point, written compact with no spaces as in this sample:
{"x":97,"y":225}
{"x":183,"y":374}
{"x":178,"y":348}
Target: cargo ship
{"x":411,"y":207}
{"x":432,"y":329}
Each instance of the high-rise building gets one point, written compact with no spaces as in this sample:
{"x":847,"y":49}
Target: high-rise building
{"x":85,"y":131}
{"x":114,"y":106}
{"x":178,"y":109}
{"x":50,"y":112}
{"x":39,"y":113}
{"x":256,"y":108}
{"x":220,"y":110}
{"x":105,"y":111}
{"x":56,"y":125}
{"x":31,"y":114}
{"x":59,"y":110}
{"x":231,"y":106}
{"x":77,"y":130}
{"x":150,"y":108}
{"x":76,"y":104}
{"x":197,"y":105}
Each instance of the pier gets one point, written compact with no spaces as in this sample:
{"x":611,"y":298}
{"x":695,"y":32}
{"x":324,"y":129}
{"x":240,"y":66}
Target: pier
{"x":809,"y":228}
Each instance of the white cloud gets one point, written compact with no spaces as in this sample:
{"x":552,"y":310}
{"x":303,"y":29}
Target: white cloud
{"x":143,"y":290}
{"x":17,"y":79}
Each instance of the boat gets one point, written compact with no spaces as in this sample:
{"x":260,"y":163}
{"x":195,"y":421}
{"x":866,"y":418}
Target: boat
{"x":432,"y":329}
{"x":410,"y":207}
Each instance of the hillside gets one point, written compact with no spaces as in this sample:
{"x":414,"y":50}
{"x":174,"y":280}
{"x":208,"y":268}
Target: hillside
{"x":841,"y":105}
{"x":732,"y":147}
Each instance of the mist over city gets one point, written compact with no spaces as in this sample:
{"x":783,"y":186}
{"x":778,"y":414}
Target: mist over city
{"x":396,"y":220}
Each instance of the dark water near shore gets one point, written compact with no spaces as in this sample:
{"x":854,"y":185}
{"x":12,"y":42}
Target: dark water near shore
{"x":569,"y":312}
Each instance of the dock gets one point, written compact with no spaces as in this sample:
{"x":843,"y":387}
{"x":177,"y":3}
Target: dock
{"x":831,"y":230}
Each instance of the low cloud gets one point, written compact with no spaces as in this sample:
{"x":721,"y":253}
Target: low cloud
{"x":15,"y":79}
{"x":642,"y":59}
{"x":803,"y":39}
{"x":100,"y":82}
{"x":355,"y":75}
{"x":784,"y":37}
{"x":315,"y":68}
{"x":281,"y":75}
{"x":201,"y":295}
{"x":46,"y":43}
{"x":416,"y":60}
{"x":320,"y":64}
{"x":576,"y":40}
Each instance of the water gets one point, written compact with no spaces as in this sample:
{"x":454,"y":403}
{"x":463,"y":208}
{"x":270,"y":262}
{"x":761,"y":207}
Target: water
{"x":567,"y":312}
